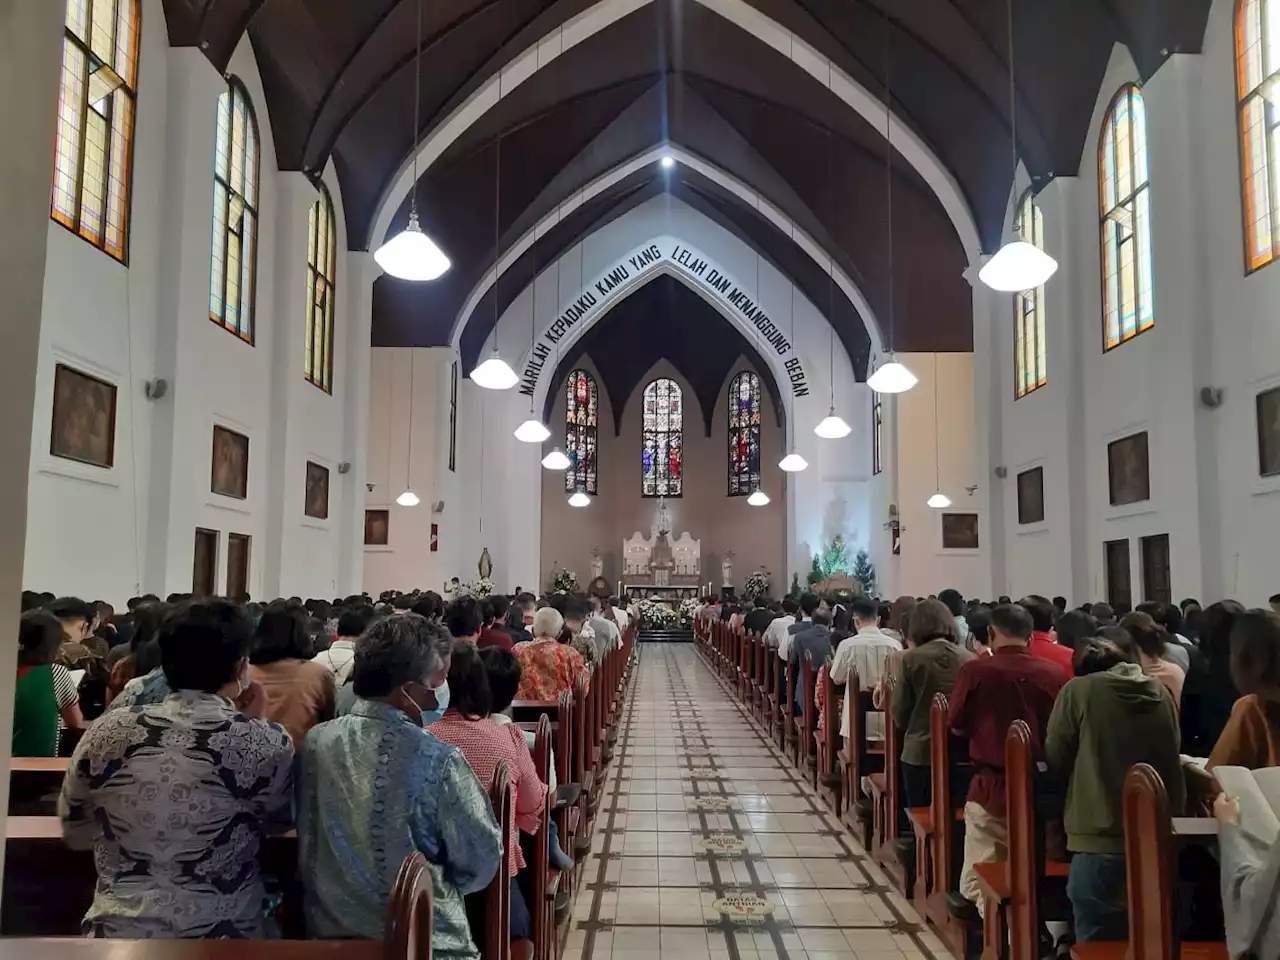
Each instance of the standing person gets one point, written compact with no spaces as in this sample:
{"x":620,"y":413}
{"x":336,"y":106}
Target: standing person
{"x":1073,"y":627}
{"x":815,"y":642}
{"x":374,"y":787}
{"x":1251,"y":737}
{"x":900,"y":616}
{"x":760,"y":616}
{"x":507,"y":618}
{"x":1108,"y":718}
{"x":548,"y":666}
{"x":620,"y":614}
{"x":866,"y":651}
{"x":1210,"y":693}
{"x":809,"y":603}
{"x":605,"y":625}
{"x":296,"y":692}
{"x":776,"y":634}
{"x":989,"y":694}
{"x":463,"y":620}
{"x":1149,"y":641}
{"x":1042,"y":642}
{"x":930,"y":665}
{"x":175,"y":798}
{"x":582,"y":637}
{"x":341,"y":655}
{"x":492,"y":633}
{"x":953,"y":600}
{"x":35,"y":707}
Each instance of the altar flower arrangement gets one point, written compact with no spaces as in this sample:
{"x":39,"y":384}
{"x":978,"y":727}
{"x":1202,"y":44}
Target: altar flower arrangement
{"x":480,"y":589}
{"x":564,"y":581}
{"x":757,"y":585}
{"x":655,"y":613}
{"x":689,"y":607}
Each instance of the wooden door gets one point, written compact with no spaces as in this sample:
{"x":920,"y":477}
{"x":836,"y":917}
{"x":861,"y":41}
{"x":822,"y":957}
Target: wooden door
{"x":1119,"y":584}
{"x":239,"y":546}
{"x":1156,"y":579}
{"x":204,"y":572}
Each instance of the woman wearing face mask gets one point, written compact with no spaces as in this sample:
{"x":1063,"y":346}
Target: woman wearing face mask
{"x":153,"y":765}
{"x":375,"y":787}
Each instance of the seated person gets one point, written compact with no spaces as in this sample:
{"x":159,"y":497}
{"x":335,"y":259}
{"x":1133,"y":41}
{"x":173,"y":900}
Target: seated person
{"x":990,"y":693}
{"x":296,"y":692}
{"x":777,"y":633}
{"x":374,"y":787}
{"x":340,"y":656}
{"x":189,"y":787}
{"x":466,"y":725}
{"x":549,"y":667}
{"x":464,"y":620}
{"x":867,"y":652}
{"x":1149,"y":640}
{"x":814,"y":641}
{"x":577,"y":621}
{"x":1251,"y":737}
{"x":35,"y":705}
{"x":1250,"y":885}
{"x":1108,"y":718}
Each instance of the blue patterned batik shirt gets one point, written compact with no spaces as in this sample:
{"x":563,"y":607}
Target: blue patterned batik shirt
{"x":374,"y":787}
{"x":143,"y":691}
{"x":175,"y":799}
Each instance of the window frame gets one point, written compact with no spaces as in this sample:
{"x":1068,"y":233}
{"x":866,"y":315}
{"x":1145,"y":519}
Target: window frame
{"x":753,"y":479}
{"x":323,"y":207}
{"x":1271,"y":124}
{"x":590,"y":431}
{"x":678,"y":431}
{"x":74,"y":223}
{"x":1128,"y":90}
{"x":1029,"y":215}
{"x":236,"y":89}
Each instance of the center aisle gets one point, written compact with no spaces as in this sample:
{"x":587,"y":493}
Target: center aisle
{"x":709,"y":847}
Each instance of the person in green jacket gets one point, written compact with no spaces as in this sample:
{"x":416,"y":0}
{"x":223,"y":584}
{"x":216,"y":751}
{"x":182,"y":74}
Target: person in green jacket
{"x":1108,"y":718}
{"x":35,"y":708}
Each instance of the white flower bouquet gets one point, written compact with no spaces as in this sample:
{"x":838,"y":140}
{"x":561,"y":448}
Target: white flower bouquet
{"x":565,"y":581}
{"x":655,"y":613}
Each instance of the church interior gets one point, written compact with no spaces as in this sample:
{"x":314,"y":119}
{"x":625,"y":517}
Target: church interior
{"x":673,"y":308}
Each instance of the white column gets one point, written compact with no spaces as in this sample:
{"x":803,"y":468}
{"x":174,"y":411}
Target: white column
{"x":361,"y":272}
{"x":30,"y":60}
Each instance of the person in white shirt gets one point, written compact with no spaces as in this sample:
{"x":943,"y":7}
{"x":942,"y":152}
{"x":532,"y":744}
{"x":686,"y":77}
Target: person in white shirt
{"x":341,"y":655}
{"x":620,"y":614}
{"x":867,"y":651}
{"x":608,"y":634}
{"x":777,"y":634}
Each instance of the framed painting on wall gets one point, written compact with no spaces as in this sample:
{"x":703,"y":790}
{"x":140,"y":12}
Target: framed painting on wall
{"x":960,"y":531}
{"x":1269,"y":432}
{"x":1129,"y":470}
{"x":316,"y":503}
{"x":84,"y":418}
{"x":1031,"y":495}
{"x":376,"y":524}
{"x":230,"y":464}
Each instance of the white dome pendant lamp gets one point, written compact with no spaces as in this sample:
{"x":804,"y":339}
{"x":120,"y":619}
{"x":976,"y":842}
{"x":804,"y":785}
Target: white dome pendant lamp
{"x":411,"y":254}
{"x":1019,"y":264}
{"x":495,"y":373}
{"x":792,"y":462}
{"x":832,"y":426}
{"x":556,"y":459}
{"x":532,"y":430}
{"x":408,"y":498}
{"x":579,"y":499}
{"x":758,"y":498}
{"x":939,"y":500}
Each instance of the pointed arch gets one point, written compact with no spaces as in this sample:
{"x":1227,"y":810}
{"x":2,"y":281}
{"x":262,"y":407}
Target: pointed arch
{"x":581,"y":428}
{"x":662,"y":447}
{"x":234,"y":255}
{"x":1257,"y":41}
{"x":1128,"y":289}
{"x":744,"y":434}
{"x":1029,"y":361}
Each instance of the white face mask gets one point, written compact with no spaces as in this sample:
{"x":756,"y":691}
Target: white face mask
{"x":442,"y":695}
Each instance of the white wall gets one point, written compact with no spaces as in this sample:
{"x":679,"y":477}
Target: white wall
{"x":113,"y":533}
{"x":1214,"y":326}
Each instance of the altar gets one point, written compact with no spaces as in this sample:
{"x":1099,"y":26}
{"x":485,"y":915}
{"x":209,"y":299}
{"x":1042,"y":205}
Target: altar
{"x":656,"y":566}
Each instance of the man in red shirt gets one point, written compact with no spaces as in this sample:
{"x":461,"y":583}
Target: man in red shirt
{"x":491,"y":632}
{"x":990,"y":693}
{"x":1043,"y":645}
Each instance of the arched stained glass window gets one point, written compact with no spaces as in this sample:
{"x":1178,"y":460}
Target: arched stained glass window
{"x":744,"y":434}
{"x":1029,"y":367}
{"x":93,"y":153}
{"x":322,"y":259}
{"x":662,"y":456}
{"x":234,"y":258}
{"x":1127,"y":287}
{"x":1258,"y":94}
{"x":580,"y":422}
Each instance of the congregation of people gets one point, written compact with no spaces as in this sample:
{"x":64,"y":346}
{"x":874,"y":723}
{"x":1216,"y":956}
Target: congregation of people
{"x":198,"y":727}
{"x":1183,"y":688}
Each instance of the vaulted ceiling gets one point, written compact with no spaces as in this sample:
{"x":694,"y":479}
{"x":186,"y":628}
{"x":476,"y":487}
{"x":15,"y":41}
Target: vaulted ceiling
{"x":338,"y":75}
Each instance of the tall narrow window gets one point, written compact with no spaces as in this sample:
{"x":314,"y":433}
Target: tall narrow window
{"x":877,"y":435}
{"x":744,"y":434}
{"x":662,"y":456}
{"x":1127,"y":287}
{"x":234,"y":257}
{"x":93,"y":152}
{"x":580,"y":433}
{"x":1258,"y":94}
{"x":1029,"y":368}
{"x":322,"y":259}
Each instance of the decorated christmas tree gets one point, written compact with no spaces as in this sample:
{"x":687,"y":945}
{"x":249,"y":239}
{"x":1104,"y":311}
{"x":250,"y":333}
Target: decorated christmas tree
{"x":835,"y":558}
{"x":864,"y":572}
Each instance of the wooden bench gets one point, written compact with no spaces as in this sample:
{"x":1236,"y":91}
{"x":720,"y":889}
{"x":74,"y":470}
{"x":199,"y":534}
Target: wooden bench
{"x":886,"y":798}
{"x":34,"y":785}
{"x":861,"y":757}
{"x":829,"y":775}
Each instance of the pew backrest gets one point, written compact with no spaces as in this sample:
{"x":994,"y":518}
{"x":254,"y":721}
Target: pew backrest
{"x":940,"y":803}
{"x":892,"y":757}
{"x":493,"y":920}
{"x":407,"y":935}
{"x":1148,"y":846}
{"x":1024,"y":871}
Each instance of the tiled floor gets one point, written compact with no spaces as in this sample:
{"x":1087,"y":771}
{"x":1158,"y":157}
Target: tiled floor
{"x":708,"y":846}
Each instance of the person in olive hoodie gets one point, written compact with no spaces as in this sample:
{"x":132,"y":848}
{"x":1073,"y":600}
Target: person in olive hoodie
{"x":1108,"y":718}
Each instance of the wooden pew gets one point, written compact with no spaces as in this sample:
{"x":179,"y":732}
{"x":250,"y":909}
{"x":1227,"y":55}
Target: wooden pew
{"x":762,"y":679}
{"x":807,"y":722}
{"x":862,"y":756}
{"x":34,"y":785}
{"x":1150,"y":868}
{"x":886,"y":795}
{"x":778,"y":715}
{"x":830,"y":777}
{"x":544,"y":882}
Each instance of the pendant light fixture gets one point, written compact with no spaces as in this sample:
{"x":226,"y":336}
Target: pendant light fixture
{"x":758,"y":498}
{"x":579,"y":499}
{"x":938,"y":500}
{"x":409,"y":498}
{"x":891,"y":376}
{"x":533,"y":430}
{"x":832,"y":426}
{"x":792,"y":462}
{"x":495,"y":373}
{"x":411,"y":254}
{"x":1018,"y":265}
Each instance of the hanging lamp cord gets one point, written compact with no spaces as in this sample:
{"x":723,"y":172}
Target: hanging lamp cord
{"x":888,"y":172}
{"x":417,"y":107}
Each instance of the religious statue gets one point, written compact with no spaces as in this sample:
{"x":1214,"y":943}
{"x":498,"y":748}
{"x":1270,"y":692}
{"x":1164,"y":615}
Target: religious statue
{"x":726,"y":570}
{"x":486,"y":564}
{"x":597,"y":564}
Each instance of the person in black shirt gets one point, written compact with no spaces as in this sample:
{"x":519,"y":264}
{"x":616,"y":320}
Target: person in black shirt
{"x":758,"y":619}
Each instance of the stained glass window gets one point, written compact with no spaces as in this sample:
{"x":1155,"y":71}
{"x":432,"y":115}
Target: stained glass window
{"x":94,"y":146}
{"x":877,"y":431}
{"x":662,"y":456}
{"x":1127,"y":287}
{"x":234,"y":256}
{"x":580,"y":433}
{"x":744,"y":434}
{"x":1258,"y":93}
{"x":322,"y":259}
{"x":1029,"y":367}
